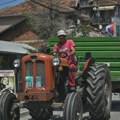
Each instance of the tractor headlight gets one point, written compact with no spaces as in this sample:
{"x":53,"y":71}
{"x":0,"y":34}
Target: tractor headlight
{"x":16,"y":63}
{"x":56,"y":61}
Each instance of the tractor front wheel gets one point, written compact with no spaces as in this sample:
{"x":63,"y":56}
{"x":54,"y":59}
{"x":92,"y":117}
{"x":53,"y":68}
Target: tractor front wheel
{"x":8,"y":109}
{"x":73,"y":108}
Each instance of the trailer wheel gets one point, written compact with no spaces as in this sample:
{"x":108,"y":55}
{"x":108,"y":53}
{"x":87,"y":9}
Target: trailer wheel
{"x":98,"y":92}
{"x":38,"y":112}
{"x":9,"y":110}
{"x":73,"y":109}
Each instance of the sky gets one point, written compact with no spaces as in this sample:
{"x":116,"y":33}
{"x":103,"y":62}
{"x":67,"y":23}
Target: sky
{"x":8,"y":3}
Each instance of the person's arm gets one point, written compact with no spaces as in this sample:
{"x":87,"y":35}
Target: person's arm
{"x":55,"y":50}
{"x":72,"y":48}
{"x":72,"y":51}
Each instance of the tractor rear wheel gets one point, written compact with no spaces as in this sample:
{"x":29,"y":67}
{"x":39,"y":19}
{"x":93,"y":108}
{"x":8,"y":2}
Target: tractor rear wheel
{"x":8,"y":110}
{"x":39,"y":112}
{"x":98,"y":92}
{"x":73,"y":109}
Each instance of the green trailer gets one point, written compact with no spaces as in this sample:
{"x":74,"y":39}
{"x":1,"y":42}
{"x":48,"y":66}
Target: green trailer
{"x":103,"y":50}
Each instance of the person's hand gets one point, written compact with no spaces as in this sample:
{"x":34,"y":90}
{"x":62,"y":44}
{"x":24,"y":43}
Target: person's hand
{"x":54,"y":53}
{"x":68,"y":56}
{"x":63,"y":54}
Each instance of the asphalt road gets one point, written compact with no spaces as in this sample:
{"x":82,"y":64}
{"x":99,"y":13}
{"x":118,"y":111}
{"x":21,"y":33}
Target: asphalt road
{"x":115,"y":111}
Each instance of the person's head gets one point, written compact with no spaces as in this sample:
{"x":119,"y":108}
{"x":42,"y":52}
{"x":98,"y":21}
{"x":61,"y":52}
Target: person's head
{"x":61,"y":36}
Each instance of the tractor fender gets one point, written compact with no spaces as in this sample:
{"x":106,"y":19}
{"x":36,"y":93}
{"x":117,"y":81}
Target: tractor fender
{"x":87,"y":65}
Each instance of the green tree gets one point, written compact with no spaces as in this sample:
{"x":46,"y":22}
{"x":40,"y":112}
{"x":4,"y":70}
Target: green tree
{"x":85,"y":29}
{"x":46,"y":19}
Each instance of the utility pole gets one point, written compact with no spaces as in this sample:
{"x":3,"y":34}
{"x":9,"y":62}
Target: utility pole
{"x":98,"y":13}
{"x":98,"y":17}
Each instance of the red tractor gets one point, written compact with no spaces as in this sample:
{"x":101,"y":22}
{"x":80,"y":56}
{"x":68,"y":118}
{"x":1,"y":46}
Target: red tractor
{"x":41,"y":85}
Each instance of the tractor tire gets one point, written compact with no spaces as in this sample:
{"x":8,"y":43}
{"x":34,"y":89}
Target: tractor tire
{"x":98,"y":92}
{"x":73,"y":108}
{"x":7,"y":110}
{"x":39,"y":113}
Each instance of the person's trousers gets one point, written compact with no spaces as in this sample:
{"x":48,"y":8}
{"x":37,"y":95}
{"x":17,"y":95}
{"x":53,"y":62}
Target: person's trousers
{"x":73,"y":69}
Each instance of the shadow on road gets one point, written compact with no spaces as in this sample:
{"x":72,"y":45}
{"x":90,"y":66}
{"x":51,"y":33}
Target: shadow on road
{"x":61,"y":118}
{"x":114,"y":108}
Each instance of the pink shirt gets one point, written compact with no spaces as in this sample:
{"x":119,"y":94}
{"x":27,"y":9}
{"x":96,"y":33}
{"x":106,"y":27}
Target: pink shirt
{"x":66,"y":47}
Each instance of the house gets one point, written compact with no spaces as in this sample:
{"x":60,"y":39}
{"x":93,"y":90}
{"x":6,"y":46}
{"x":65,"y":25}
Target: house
{"x":102,"y":12}
{"x":13,"y":26}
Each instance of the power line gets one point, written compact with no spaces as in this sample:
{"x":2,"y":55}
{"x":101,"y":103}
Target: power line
{"x":8,"y":2}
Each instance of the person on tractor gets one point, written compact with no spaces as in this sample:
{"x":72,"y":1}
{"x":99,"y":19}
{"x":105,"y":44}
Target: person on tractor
{"x":67,"y":46}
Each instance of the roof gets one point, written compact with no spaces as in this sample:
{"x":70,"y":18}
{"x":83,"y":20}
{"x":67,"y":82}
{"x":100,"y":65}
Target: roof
{"x":30,"y":6}
{"x":7,"y":22}
{"x":17,"y":9}
{"x":17,"y":48}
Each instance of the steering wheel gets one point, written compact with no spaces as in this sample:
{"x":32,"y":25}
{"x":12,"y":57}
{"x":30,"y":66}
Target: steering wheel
{"x":64,"y":54}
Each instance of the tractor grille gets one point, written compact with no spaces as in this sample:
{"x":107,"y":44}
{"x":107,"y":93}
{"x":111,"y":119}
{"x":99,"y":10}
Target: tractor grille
{"x":34,"y":71}
{"x":29,"y":74}
{"x":40,"y":73}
